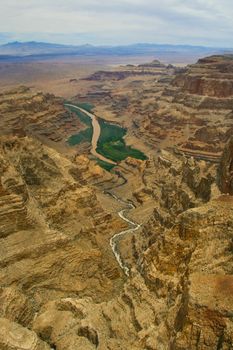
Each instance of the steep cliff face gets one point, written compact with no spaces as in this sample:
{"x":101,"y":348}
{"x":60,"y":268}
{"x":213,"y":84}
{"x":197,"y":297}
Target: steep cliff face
{"x":179,"y":294}
{"x":193,"y":111}
{"x":226,"y":169}
{"x":43,"y":116}
{"x":189,"y":267}
{"x":211,"y":76}
{"x":54,"y":231}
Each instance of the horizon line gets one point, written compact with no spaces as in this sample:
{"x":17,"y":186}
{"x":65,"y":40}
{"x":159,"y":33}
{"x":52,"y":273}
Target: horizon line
{"x":112,"y":45}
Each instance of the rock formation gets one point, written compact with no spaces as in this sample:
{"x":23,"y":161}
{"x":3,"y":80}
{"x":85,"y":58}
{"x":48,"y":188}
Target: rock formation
{"x":190,"y":108}
{"x":15,"y":337}
{"x":226,"y":169}
{"x":60,"y":284}
{"x":39,"y":115}
{"x":179,"y":294}
{"x":54,"y":232}
{"x":211,"y":76}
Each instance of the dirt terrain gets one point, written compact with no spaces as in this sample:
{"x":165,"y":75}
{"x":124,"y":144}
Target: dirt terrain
{"x":57,"y":76}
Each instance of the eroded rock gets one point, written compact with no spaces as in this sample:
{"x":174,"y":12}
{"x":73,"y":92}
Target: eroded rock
{"x":15,"y":337}
{"x":226,"y":169}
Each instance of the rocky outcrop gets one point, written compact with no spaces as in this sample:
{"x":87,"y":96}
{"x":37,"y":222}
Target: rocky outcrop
{"x":179,"y":298}
{"x":179,"y":183}
{"x":211,"y":76}
{"x":54,"y":231}
{"x":154,"y":68}
{"x":176,"y":295}
{"x":15,"y":306}
{"x":226,"y":169}
{"x":189,"y":108}
{"x":198,"y":113}
{"x":15,"y":337}
{"x":153,"y":64}
{"x":189,"y":267}
{"x":120,"y":75}
{"x":43,"y":116}
{"x":59,"y":276}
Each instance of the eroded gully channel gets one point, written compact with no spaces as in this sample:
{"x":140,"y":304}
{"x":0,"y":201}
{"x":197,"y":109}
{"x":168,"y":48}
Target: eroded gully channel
{"x":114,"y":240}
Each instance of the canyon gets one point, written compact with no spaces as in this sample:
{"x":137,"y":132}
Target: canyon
{"x":138,"y":256}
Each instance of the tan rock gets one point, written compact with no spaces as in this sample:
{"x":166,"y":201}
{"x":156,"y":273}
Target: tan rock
{"x":15,"y":337}
{"x":15,"y":306}
{"x":226,"y":169}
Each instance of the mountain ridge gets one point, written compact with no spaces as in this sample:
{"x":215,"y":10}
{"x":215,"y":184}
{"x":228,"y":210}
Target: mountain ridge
{"x":34,"y":48}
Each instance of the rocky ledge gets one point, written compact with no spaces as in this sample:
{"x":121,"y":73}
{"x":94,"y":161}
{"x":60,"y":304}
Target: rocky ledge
{"x":194,"y":111}
{"x":226,"y":169}
{"x":211,"y":76}
{"x":24,"y":112}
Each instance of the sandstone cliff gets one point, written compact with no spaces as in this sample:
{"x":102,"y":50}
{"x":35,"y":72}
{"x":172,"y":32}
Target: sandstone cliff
{"x":43,"y":116}
{"x":179,"y":294}
{"x":189,"y":108}
{"x":54,"y":232}
{"x":226,"y":169}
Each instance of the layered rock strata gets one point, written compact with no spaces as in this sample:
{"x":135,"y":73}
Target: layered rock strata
{"x":24,"y":112}
{"x":54,"y":231}
{"x":189,"y":108}
{"x":226,"y":169}
{"x":179,"y":293}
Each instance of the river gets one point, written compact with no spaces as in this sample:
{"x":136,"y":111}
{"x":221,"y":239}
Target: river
{"x":127,"y":205}
{"x":95,"y":135}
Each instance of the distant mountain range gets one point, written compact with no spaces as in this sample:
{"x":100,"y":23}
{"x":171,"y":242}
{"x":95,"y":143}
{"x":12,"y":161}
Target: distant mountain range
{"x":32,"y":49}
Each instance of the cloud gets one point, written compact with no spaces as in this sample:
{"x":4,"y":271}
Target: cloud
{"x":207,"y":22}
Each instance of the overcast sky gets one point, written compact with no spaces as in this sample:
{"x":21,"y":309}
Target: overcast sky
{"x":201,"y":22}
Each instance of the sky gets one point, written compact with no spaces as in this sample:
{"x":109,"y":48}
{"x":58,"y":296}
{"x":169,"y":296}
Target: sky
{"x":114,"y":22}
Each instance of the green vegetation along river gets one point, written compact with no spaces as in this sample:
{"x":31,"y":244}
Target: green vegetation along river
{"x":107,"y":139}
